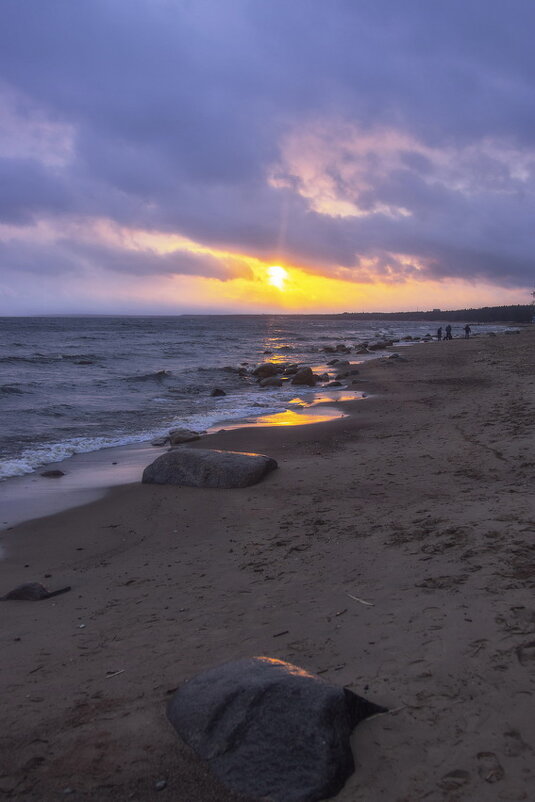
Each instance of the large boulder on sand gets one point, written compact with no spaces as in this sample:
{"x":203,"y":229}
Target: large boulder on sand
{"x":304,"y":376}
{"x":205,"y":467}
{"x":269,"y":729}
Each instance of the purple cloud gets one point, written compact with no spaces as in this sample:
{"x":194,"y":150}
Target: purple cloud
{"x":180,"y":114}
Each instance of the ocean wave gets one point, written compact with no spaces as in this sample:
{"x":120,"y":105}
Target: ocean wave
{"x":47,"y":359}
{"x":11,"y":389}
{"x":54,"y":411}
{"x":77,"y":357}
{"x":38,"y":359}
{"x":32,"y":458}
{"x":158,"y":376}
{"x":221,"y":411}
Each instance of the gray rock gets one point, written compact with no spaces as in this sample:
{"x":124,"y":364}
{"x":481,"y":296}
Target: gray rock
{"x":265,"y":370}
{"x":333,"y":384}
{"x":177,"y":436}
{"x":53,"y":474}
{"x":160,"y":441}
{"x":290,"y":370}
{"x":31,"y":591}
{"x":203,"y":467}
{"x":271,"y":381}
{"x":304,"y":376}
{"x":349,"y":371}
{"x":269,"y":729}
{"x":217,"y":391}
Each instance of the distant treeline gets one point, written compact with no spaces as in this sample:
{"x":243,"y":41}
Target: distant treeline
{"x":521,"y":313}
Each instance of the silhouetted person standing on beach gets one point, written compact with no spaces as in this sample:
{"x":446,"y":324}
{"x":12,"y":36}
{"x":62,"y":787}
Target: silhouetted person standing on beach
{"x":439,"y":334}
{"x":448,"y":333}
{"x":467,"y":331}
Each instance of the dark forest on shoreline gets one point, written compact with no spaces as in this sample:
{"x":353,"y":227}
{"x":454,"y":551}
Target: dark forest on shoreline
{"x":521,"y":313}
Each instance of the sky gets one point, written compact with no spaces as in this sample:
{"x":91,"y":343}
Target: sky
{"x":256,"y":156}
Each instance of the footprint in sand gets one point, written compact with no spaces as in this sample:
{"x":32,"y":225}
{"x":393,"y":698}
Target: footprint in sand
{"x":454,"y":779}
{"x":489,"y":768}
{"x":515,"y":744}
{"x":526,"y":652}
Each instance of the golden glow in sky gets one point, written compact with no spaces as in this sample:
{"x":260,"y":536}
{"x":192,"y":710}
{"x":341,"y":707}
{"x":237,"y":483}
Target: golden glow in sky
{"x":241,"y":283}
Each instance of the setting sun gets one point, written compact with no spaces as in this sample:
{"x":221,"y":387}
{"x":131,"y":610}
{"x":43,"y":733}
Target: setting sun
{"x":277,"y":276}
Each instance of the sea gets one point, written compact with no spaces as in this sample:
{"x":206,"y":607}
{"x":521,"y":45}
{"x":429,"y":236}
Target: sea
{"x":73,"y":385}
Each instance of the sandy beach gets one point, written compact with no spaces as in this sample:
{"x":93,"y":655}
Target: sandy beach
{"x":419,"y":502}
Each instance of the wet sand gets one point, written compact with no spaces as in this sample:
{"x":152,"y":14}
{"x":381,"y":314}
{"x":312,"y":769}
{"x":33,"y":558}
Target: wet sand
{"x":420,"y":502}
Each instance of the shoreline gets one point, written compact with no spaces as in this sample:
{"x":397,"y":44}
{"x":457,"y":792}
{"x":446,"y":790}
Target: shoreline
{"x":177,"y":396}
{"x":88,"y":476}
{"x":420,"y":503}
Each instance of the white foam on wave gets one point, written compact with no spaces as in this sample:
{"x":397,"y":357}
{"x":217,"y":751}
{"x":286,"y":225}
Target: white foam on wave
{"x":33,"y":458}
{"x":226,"y":408}
{"x":221,"y":411}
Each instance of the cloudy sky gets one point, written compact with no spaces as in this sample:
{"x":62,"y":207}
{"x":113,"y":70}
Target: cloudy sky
{"x":163,"y":156}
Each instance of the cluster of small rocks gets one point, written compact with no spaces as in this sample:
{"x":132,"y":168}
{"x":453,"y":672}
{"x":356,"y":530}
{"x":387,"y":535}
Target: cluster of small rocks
{"x":365,"y":347}
{"x":273,"y":374}
{"x":276,"y":374}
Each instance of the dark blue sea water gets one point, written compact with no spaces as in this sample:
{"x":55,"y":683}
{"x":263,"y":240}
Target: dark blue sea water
{"x":73,"y":385}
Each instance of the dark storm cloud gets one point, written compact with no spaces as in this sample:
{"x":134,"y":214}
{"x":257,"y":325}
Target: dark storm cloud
{"x":148,"y":262}
{"x":27,"y":188}
{"x":179,"y":111}
{"x":73,"y":257}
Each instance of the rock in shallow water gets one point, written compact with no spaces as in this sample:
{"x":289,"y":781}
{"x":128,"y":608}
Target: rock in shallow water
{"x":271,"y":381}
{"x":304,"y":376}
{"x":266,"y":369}
{"x":269,"y":729}
{"x":204,"y":467}
{"x":178,"y":436}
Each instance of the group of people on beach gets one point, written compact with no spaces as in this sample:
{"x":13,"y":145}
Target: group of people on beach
{"x":448,"y":336}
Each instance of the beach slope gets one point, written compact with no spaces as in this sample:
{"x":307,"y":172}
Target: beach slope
{"x":392,"y":551}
